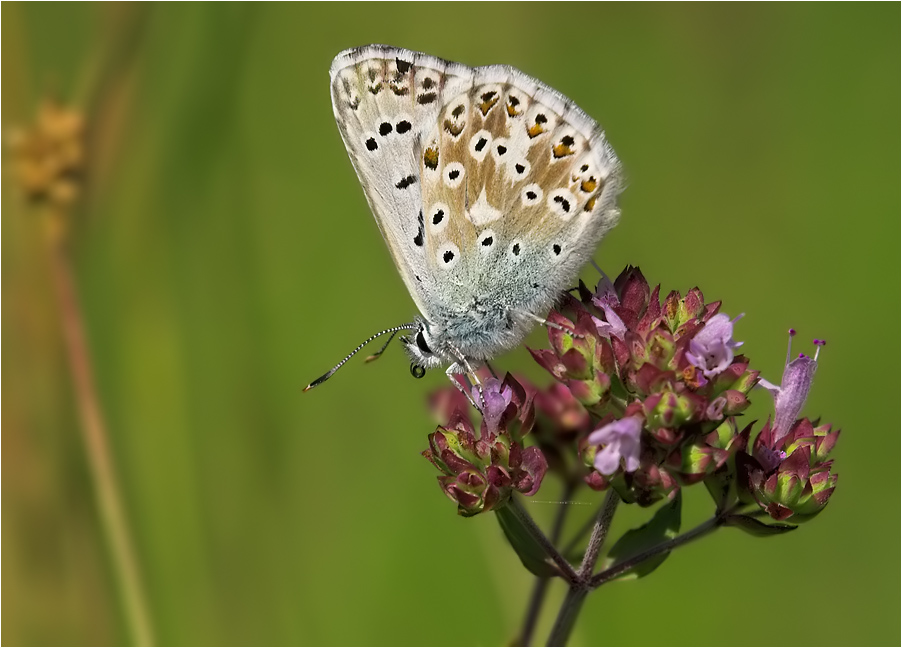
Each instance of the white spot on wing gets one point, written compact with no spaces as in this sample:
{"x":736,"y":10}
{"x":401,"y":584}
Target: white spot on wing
{"x":447,"y":255}
{"x":480,"y":145}
{"x":481,"y":212}
{"x":454,"y":174}
{"x":531,"y":195}
{"x":437,"y":217}
{"x":562,"y":204}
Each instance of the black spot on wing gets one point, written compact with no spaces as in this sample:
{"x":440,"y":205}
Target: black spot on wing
{"x":418,"y":239}
{"x":403,"y":183}
{"x":564,"y":203}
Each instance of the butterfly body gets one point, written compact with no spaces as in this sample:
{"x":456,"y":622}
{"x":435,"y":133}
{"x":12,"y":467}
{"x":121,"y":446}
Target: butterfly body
{"x":490,"y":189}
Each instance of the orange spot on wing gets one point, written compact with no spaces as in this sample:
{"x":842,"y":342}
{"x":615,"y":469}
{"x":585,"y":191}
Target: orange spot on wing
{"x":489,"y":99}
{"x":561,"y":150}
{"x":454,"y":129}
{"x":512,"y":103}
{"x":535,"y":130}
{"x":430,"y":158}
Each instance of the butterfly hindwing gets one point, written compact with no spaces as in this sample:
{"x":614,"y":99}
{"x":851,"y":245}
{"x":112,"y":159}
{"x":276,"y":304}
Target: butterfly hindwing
{"x":499,"y":189}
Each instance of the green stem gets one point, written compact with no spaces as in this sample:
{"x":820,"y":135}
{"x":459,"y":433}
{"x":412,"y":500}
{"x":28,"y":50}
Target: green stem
{"x":599,"y":533}
{"x":567,"y":615}
{"x":96,"y":441}
{"x":525,"y":518}
{"x":540,"y":589}
{"x":576,"y":596}
{"x":613,"y":572}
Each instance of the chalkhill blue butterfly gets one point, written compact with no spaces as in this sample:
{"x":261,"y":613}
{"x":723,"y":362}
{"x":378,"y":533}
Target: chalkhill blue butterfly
{"x":491,"y":190}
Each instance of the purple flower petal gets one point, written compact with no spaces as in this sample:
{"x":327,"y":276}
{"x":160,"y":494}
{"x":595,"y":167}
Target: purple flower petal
{"x":495,"y":399}
{"x":793,"y":392}
{"x":711,"y":350}
{"x":621,"y":441}
{"x":790,"y":396}
{"x":606,"y":299}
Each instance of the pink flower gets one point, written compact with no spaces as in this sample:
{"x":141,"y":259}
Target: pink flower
{"x":790,"y":395}
{"x":495,"y":397}
{"x":711,"y":350}
{"x":621,"y":441}
{"x":606,"y":299}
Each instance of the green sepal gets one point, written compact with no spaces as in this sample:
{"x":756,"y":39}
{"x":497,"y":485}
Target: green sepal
{"x":721,"y":487}
{"x":663,"y":526}
{"x":530,"y":552}
{"x":756,"y":527}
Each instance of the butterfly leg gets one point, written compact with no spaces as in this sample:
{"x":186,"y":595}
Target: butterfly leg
{"x":545,"y":322}
{"x":451,"y":372}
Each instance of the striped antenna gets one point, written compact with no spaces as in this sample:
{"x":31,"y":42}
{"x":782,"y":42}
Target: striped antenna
{"x":328,"y":374}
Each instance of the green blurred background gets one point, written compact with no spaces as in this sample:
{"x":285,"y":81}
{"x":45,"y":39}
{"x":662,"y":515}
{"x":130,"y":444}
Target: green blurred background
{"x":225,"y":256}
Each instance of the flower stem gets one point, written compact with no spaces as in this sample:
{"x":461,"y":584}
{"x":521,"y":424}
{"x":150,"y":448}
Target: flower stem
{"x":616,"y":570}
{"x":94,"y":437}
{"x":537,"y":598}
{"x":525,"y":518}
{"x":576,"y":596}
{"x":599,"y":533}
{"x":566,"y":617}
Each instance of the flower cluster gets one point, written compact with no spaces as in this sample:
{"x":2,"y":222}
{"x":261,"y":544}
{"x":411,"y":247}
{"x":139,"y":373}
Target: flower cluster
{"x":480,"y":471}
{"x":662,"y":376}
{"x":787,"y":473}
{"x":646,"y":400}
{"x":49,"y":157}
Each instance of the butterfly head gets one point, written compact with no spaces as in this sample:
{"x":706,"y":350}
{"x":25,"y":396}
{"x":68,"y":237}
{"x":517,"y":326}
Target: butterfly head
{"x":424,"y":346}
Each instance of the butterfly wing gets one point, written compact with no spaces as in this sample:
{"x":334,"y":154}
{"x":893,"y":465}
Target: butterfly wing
{"x":488,"y":186}
{"x":386,"y":101}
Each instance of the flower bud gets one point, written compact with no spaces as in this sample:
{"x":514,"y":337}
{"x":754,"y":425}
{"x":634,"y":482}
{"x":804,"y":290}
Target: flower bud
{"x":790,"y":477}
{"x":480,"y":472}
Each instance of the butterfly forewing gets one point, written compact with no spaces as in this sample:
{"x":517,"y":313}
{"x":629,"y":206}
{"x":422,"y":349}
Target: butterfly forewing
{"x":488,"y":186}
{"x":384,"y":100}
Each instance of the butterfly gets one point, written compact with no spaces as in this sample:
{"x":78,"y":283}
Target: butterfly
{"x":491,"y":190}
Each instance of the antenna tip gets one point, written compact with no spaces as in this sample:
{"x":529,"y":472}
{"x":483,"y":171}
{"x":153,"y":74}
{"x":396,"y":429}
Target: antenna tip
{"x":308,"y":388}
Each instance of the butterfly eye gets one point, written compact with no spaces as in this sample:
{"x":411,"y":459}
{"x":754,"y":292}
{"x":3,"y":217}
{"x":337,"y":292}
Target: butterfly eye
{"x":421,"y":343}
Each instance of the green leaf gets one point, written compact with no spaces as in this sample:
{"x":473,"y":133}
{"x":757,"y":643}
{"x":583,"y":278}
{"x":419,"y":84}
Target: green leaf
{"x":662,"y":527}
{"x":756,"y":527}
{"x":530,"y":552}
